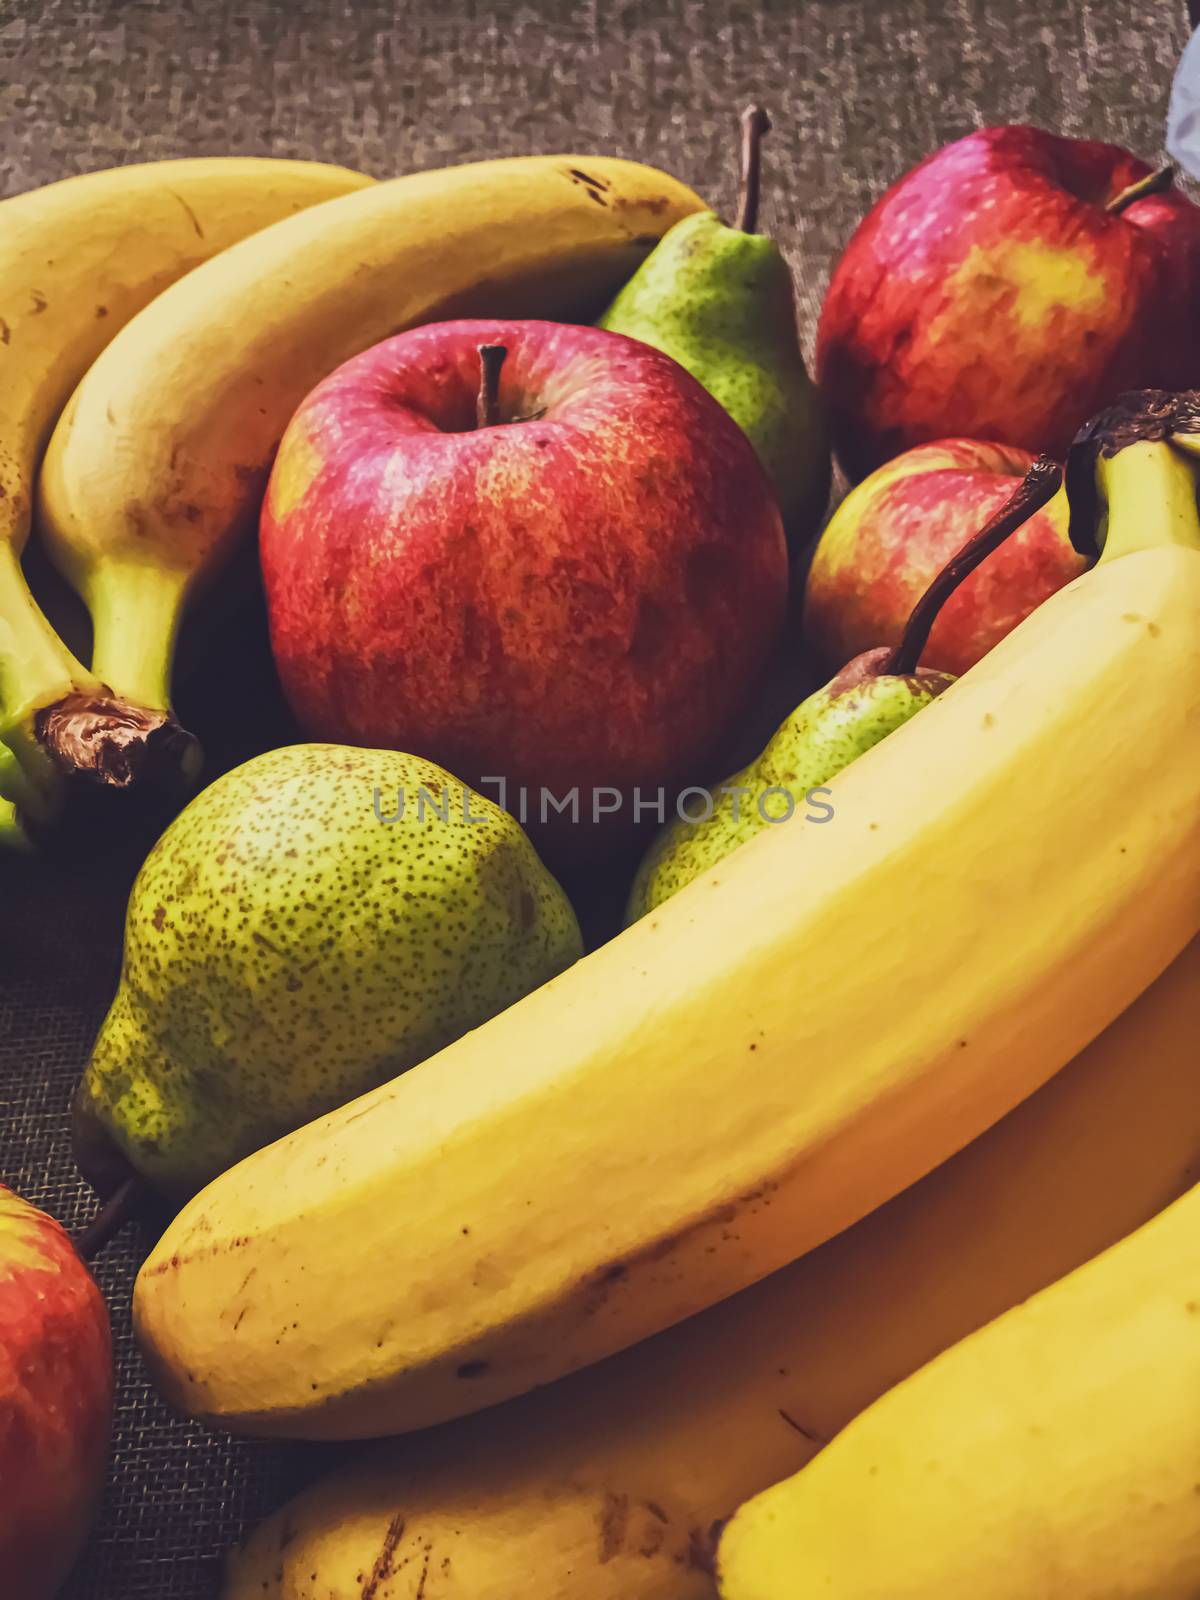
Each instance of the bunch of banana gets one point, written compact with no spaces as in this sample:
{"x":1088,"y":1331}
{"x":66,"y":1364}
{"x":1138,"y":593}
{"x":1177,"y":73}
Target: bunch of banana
{"x":786,"y":1044}
{"x":160,"y":460}
{"x":20,"y":799}
{"x":1054,"y":1453}
{"x":607,"y":1486}
{"x":78,"y":259}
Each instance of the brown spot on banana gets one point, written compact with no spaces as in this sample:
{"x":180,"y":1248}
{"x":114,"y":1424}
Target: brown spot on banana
{"x":654,"y":206}
{"x":612,"y":1520}
{"x":605,"y":1279}
{"x":585,"y":177}
{"x":385,"y":1561}
{"x":192,"y":217}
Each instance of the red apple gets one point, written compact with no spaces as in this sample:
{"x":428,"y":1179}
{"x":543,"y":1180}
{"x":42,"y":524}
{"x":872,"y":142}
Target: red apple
{"x":895,"y":531}
{"x":578,"y":595}
{"x":56,"y":1388}
{"x":1001,"y":291}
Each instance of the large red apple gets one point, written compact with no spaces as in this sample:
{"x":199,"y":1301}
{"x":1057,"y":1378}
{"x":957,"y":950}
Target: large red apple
{"x":1005,"y":290}
{"x":893,"y":533}
{"x":575,"y":591}
{"x":55,"y":1401}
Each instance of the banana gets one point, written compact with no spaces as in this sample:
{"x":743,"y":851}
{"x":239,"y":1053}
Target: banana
{"x":787,"y":1043}
{"x":1054,"y":1453}
{"x":162,"y":455}
{"x":19,"y":789}
{"x":12,"y":830}
{"x":78,"y":259}
{"x":607,"y":1485}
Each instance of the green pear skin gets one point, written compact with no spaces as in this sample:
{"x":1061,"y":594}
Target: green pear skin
{"x":829,"y":730}
{"x":721,"y":303}
{"x":287,"y":950}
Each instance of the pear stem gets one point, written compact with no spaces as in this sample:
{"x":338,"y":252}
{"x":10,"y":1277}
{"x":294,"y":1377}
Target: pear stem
{"x":1152,"y":183}
{"x":1039,"y":485}
{"x":756,"y":124}
{"x":111,"y":1218}
{"x":487,"y":406}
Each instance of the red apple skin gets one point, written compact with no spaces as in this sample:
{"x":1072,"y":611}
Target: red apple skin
{"x":989,"y":294}
{"x":587,"y":597}
{"x":893,"y":533}
{"x":56,"y":1393}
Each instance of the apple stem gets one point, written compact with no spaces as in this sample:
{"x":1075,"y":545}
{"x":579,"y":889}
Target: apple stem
{"x":755,"y":125}
{"x":1038,"y":486}
{"x":487,"y":406}
{"x":111,"y":1218}
{"x":1152,"y":183}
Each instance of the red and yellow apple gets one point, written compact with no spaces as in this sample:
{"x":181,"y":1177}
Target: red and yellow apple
{"x":578,"y":592}
{"x":1007,"y":288}
{"x":893,"y":533}
{"x":56,"y":1387}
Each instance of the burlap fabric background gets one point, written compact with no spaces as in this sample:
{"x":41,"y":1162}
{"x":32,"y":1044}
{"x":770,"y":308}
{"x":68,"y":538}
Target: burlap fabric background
{"x":859,"y":90}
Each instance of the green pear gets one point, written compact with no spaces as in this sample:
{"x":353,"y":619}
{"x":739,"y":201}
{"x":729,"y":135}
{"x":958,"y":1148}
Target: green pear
{"x":876,"y":693}
{"x":832,"y":728}
{"x":315,"y":922}
{"x":720,"y":301}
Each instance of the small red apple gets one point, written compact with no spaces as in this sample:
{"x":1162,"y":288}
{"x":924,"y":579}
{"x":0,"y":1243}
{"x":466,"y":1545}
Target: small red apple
{"x":56,"y":1386}
{"x":1008,"y":288}
{"x":571,"y":585}
{"x":894,"y":532}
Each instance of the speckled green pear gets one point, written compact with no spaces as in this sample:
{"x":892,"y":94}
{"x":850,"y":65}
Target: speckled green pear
{"x":720,"y":301}
{"x":297,"y":937}
{"x":829,"y":730}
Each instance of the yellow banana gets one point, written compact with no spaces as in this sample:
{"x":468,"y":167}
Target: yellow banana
{"x":77,"y":260}
{"x":162,"y":455}
{"x":1054,"y":1453}
{"x":606,"y":1486}
{"x":784,"y":1045}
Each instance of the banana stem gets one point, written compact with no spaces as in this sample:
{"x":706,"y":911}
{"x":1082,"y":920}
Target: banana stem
{"x":135,"y":614}
{"x":33,"y":798}
{"x":35,"y":665}
{"x":58,"y":721}
{"x":126,"y":734}
{"x":36,"y":669}
{"x":1149,"y":491}
{"x":118,"y":745}
{"x":756,"y":124}
{"x":1037,"y":488}
{"x":12,"y":832}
